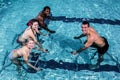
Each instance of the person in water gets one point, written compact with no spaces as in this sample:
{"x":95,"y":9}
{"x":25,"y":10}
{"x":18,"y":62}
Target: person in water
{"x":31,"y":32}
{"x":42,"y":16}
{"x":23,"y":52}
{"x":93,"y":40}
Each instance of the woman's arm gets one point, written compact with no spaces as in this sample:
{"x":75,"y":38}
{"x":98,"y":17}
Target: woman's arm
{"x":25,"y":57}
{"x":36,"y":42}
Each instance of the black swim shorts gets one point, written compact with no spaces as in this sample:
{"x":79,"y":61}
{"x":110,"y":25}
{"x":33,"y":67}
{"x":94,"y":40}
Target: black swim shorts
{"x":103,"y":50}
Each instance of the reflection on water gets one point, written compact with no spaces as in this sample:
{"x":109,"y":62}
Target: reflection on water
{"x":59,"y":64}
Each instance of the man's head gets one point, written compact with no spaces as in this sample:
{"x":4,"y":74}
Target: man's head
{"x":46,"y":10}
{"x":85,"y":26}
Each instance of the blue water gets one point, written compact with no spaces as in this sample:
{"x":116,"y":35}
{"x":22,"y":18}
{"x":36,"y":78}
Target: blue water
{"x":104,"y":16}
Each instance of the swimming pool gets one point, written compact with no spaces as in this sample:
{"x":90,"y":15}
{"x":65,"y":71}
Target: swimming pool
{"x":103,"y":15}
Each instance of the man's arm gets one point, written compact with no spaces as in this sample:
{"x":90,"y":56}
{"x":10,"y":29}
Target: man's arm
{"x":87,"y":44}
{"x":77,"y":37}
{"x":42,"y":24}
{"x":46,"y":28}
{"x":41,"y":20}
{"x":79,"y":50}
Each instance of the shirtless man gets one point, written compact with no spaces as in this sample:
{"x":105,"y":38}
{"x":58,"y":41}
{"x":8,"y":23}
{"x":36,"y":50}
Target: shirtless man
{"x":42,"y":16}
{"x":30,"y":32}
{"x":93,"y":40}
{"x":24,"y":52}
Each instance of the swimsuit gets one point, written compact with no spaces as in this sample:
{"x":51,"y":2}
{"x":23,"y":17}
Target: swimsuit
{"x":102,"y":50}
{"x":11,"y":55}
{"x":21,"y":39}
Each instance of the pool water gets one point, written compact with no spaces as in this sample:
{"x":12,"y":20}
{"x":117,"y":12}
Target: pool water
{"x":59,"y":64}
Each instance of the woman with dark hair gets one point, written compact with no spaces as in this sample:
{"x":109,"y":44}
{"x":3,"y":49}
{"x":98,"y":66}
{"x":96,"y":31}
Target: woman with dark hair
{"x":31,"y":32}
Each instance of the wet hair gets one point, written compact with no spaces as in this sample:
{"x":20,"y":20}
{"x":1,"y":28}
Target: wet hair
{"x":86,"y":22}
{"x":30,"y":22}
{"x":27,"y":40}
{"x":46,"y":7}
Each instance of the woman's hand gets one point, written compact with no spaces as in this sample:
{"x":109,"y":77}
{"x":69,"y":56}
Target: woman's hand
{"x":38,"y":69}
{"x":74,"y":52}
{"x":45,"y":34}
{"x":45,"y":50}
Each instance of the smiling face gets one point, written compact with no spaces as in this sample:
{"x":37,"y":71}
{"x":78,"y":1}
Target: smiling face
{"x":47,"y":12}
{"x":85,"y":28}
{"x":35,"y":25}
{"x":30,"y":44}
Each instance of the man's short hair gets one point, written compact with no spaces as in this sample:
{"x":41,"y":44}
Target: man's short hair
{"x":85,"y":22}
{"x":46,"y":7}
